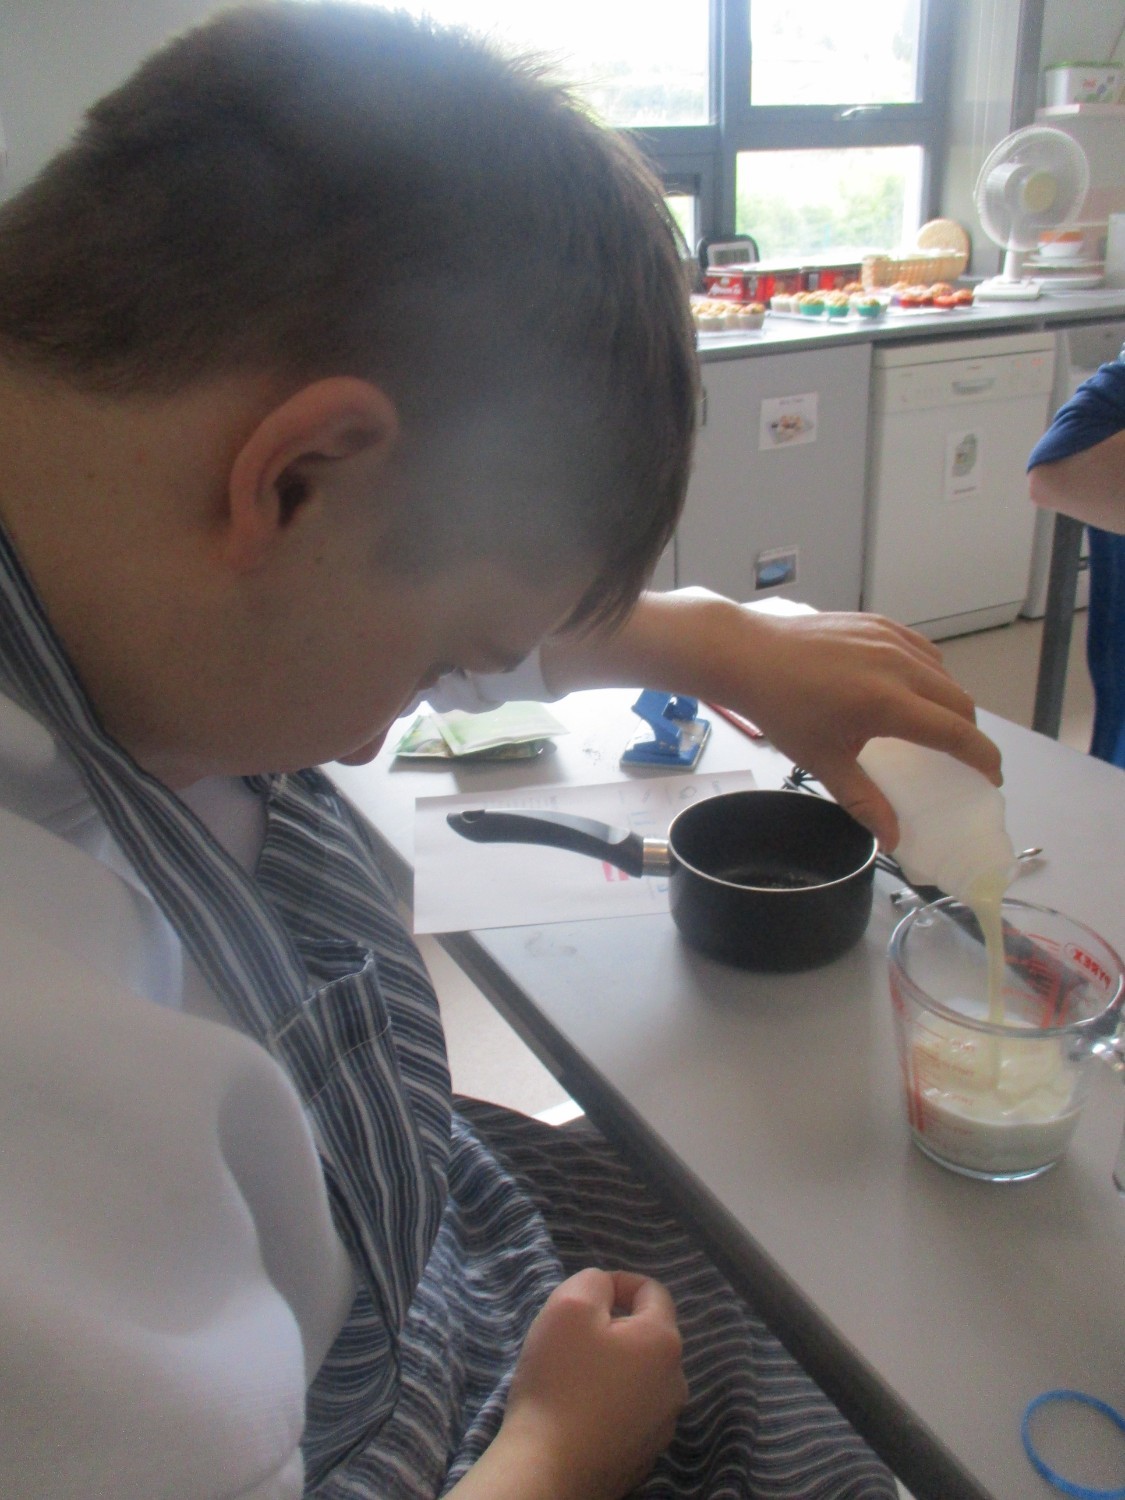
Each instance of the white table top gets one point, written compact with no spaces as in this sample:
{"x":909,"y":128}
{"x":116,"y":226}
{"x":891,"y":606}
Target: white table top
{"x":767,"y":1109}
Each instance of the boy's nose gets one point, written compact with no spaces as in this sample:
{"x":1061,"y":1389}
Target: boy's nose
{"x":364,"y":753}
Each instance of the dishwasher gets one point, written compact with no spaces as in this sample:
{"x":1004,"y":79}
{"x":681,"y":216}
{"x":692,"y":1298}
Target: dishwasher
{"x":948,"y":526}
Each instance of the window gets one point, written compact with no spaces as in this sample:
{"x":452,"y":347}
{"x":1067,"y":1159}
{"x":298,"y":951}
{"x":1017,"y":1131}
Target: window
{"x":635,"y":62}
{"x":819,"y":52}
{"x":684,"y":208}
{"x":811,"y":126}
{"x":845,"y":202}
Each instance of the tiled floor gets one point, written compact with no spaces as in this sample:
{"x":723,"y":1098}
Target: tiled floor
{"x":998,"y":667}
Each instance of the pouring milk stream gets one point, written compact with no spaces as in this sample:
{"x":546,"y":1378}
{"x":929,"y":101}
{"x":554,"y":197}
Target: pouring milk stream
{"x":953,"y":835}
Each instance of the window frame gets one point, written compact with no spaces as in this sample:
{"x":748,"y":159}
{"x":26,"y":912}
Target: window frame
{"x":707,"y":155}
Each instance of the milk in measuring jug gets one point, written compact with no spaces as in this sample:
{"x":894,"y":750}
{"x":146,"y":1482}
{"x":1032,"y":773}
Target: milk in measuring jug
{"x":996,"y":1105}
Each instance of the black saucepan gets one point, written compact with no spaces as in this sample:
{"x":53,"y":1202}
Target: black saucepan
{"x":766,"y":880}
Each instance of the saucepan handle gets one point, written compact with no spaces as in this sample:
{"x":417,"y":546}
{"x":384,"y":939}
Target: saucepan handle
{"x":624,"y":850}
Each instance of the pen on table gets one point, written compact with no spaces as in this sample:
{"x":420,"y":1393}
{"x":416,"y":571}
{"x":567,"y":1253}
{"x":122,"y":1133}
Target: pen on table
{"x":747,"y":726}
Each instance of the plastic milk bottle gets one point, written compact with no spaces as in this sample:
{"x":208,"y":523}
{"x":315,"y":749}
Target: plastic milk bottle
{"x":952,"y":830}
{"x":952,"y":834}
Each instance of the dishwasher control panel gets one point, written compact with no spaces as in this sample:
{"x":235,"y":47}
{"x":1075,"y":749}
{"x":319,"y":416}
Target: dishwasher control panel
{"x":962,"y":377}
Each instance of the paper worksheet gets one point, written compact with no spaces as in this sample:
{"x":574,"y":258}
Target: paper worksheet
{"x":459,"y":886}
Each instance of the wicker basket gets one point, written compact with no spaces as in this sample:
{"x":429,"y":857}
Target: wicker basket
{"x":922,"y":268}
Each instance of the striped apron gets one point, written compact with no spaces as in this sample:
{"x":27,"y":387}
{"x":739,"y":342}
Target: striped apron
{"x":458,"y":1223}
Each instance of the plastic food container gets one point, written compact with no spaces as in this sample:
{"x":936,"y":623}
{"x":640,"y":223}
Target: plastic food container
{"x":733,"y":283}
{"x":1061,"y":244}
{"x":1083,"y":83}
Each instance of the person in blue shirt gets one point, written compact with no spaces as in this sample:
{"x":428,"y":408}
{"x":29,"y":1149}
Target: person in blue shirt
{"x":1078,"y":467}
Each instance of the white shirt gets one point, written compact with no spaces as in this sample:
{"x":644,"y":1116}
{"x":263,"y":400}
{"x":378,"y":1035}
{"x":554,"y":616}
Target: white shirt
{"x":170,"y":1277}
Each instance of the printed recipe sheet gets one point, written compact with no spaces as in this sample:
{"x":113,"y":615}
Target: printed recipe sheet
{"x":460,"y":885}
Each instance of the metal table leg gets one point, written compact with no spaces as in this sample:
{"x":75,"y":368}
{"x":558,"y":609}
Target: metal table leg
{"x":1062,"y":588}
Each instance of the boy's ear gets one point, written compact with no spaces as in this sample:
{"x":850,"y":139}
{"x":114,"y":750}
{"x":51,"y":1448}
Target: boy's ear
{"x":290,"y":458}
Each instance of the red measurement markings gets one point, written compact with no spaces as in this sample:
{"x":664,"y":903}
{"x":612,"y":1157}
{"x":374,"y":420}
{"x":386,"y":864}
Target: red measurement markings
{"x":1089,"y":964}
{"x":1045,"y":976}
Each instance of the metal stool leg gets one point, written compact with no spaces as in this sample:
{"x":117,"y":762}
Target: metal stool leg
{"x":1062,"y":587}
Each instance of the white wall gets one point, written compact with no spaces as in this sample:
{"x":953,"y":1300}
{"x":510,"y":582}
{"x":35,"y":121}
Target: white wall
{"x":980,"y":112}
{"x":1082,"y":30}
{"x":982,"y":83}
{"x":1091,"y":31}
{"x":58,"y":56}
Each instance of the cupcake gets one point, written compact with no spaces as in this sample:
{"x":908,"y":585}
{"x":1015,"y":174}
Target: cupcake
{"x":915,"y":296}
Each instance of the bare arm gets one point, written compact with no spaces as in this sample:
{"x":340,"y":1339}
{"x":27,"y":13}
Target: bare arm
{"x":819,"y":685}
{"x":1090,"y":486}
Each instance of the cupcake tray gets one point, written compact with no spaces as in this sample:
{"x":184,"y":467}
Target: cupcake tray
{"x":852,"y":317}
{"x":819,"y":319}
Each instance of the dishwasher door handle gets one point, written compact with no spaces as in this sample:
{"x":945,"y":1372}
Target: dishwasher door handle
{"x":973,"y":387}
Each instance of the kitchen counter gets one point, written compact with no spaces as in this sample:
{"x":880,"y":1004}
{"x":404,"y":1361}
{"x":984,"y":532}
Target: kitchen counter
{"x":795,"y":519}
{"x":782,"y":334}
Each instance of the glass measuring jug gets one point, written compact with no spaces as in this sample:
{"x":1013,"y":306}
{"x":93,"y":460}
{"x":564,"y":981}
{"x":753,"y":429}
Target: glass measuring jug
{"x":999,"y":1100}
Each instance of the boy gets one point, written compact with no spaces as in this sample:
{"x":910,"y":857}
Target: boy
{"x":339,"y":357}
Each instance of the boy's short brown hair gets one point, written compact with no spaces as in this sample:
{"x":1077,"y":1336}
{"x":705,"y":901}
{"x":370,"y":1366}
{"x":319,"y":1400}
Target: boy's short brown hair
{"x":319,"y":189}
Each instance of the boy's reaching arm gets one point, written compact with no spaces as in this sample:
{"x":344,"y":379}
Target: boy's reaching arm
{"x":819,"y":685}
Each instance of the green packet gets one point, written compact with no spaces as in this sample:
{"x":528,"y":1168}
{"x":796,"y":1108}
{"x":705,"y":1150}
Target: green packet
{"x":511,"y":732}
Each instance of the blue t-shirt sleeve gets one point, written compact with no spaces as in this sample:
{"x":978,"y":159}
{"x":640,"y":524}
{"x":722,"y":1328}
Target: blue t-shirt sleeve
{"x":1095,"y":412}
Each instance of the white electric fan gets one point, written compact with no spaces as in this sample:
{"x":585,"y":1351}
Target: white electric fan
{"x":1035,"y":180}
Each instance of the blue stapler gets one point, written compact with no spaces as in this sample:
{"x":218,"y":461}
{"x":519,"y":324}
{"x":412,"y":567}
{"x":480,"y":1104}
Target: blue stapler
{"x":673,"y":737}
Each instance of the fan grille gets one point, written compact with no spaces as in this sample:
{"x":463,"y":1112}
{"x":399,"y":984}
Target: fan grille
{"x":1036,"y":179}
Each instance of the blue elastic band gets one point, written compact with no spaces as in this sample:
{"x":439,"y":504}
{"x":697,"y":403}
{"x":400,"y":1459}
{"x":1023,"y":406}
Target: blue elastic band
{"x":1081,"y":1491}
